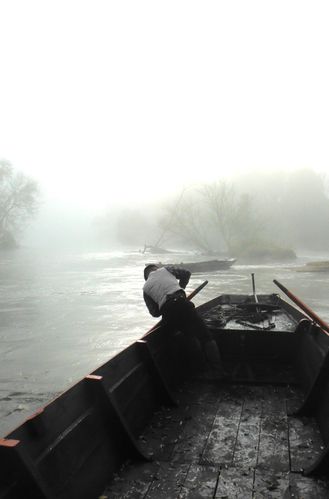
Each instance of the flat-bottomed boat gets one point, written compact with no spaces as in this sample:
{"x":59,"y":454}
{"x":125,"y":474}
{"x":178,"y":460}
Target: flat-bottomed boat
{"x":149,"y":423}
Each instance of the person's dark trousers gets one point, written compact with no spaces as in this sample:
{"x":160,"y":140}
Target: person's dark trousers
{"x":179,"y":313}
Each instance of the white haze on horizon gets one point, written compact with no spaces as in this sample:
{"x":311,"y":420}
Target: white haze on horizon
{"x":117,"y":103}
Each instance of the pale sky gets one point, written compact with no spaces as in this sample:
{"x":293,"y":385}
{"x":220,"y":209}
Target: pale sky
{"x":99,"y":98}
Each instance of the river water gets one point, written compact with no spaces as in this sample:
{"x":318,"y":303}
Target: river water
{"x":64,"y":314}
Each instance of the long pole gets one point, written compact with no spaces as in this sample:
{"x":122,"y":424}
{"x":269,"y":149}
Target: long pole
{"x":254,"y":290}
{"x":308,"y":311}
{"x":197,"y":290}
{"x":253,"y":286}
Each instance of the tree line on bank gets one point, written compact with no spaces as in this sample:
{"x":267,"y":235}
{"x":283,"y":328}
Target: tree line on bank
{"x":18,"y":203}
{"x":254,"y":216}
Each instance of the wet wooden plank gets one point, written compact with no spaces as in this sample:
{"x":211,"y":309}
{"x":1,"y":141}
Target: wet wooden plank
{"x":274,"y":445}
{"x":235,"y":482}
{"x":132,"y":482}
{"x":253,"y":401}
{"x":271,"y":485}
{"x":168,"y":481}
{"x":220,"y":445}
{"x":295,"y":397}
{"x":166,"y":429}
{"x":199,"y":392}
{"x":235,"y":433}
{"x":231,"y":401}
{"x":306,"y":488}
{"x":154,"y":480}
{"x":221,"y":442}
{"x":193,"y":438}
{"x":246,"y":447}
{"x":305,"y":442}
{"x":248,"y":436}
{"x":200,"y":482}
{"x":162,"y":434}
{"x":274,"y":400}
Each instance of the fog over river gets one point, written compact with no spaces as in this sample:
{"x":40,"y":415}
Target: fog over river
{"x":64,"y":314}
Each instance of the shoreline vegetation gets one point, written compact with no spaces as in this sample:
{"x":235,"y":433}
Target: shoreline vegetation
{"x":256,"y":218}
{"x":315,"y":266}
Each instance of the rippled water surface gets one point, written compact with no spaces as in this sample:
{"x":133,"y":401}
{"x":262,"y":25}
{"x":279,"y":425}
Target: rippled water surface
{"x":64,"y":314}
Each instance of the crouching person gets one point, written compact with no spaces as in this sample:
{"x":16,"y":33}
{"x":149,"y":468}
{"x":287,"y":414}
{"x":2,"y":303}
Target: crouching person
{"x":164,"y":295}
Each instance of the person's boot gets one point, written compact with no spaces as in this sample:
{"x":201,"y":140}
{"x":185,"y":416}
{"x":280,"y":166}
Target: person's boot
{"x":196,"y":356}
{"x":214,"y":361}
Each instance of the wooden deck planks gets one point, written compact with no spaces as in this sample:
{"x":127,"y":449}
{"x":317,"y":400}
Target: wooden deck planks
{"x":274,"y":400}
{"x":301,"y":487}
{"x":235,"y":483}
{"x":200,"y":482}
{"x":194,"y":435}
{"x":168,"y":481}
{"x":305,"y":442}
{"x":247,"y":441}
{"x":272,"y":485}
{"x":223,"y":442}
{"x":132,"y":481}
{"x":273,"y":452}
{"x":161,"y":437}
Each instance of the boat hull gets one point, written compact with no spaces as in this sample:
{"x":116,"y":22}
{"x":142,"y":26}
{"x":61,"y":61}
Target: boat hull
{"x":72,"y":447}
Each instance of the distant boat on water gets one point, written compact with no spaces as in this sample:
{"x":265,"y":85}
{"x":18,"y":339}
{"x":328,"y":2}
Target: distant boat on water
{"x":155,"y":249}
{"x":205,"y":266}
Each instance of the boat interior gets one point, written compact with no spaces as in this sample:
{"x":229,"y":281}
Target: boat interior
{"x":149,"y":424}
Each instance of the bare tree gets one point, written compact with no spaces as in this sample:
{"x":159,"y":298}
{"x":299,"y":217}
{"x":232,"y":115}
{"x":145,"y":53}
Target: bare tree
{"x":184,"y":219}
{"x":233,"y":215}
{"x":18,"y":202}
{"x":219,"y":198}
{"x":167,"y":222}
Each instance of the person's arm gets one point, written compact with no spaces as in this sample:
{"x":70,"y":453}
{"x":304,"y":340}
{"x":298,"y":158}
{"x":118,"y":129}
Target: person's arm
{"x":152,"y":306}
{"x":183,"y":275}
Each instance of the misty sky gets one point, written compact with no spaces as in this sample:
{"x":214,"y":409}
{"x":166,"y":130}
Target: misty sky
{"x":99,"y":97}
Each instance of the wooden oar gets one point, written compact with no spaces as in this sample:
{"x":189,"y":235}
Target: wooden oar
{"x":308,"y":311}
{"x":189,"y":297}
